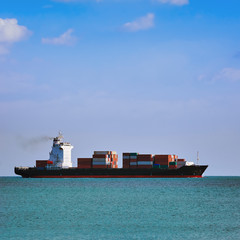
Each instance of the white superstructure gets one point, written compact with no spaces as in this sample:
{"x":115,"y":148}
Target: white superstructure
{"x":61,"y":153}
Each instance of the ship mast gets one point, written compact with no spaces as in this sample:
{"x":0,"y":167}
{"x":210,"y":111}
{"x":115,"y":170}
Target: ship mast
{"x":197,"y":157}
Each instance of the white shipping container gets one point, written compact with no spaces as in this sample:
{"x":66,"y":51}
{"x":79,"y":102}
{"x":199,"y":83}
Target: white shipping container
{"x":145,"y":163}
{"x":125,"y":157}
{"x":133,"y":157}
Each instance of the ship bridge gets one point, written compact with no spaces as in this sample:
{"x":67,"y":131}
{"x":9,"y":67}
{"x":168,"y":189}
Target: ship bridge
{"x":60,"y":154}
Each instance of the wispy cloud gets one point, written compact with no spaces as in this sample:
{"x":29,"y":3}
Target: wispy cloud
{"x":15,"y":83}
{"x":228,"y":74}
{"x":174,"y":2}
{"x":142,"y":23}
{"x":11,"y":32}
{"x":65,"y":39}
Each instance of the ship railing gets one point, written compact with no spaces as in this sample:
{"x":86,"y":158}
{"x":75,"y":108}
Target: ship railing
{"x":22,"y":168}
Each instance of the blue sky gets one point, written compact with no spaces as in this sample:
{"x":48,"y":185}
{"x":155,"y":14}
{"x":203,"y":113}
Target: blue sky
{"x":152,"y":76}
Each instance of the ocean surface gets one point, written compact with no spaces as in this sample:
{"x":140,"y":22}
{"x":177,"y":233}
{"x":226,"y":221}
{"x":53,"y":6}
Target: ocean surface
{"x":207,"y":208}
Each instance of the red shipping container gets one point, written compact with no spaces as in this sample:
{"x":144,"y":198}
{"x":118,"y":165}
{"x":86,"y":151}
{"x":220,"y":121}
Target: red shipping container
{"x":100,"y":166}
{"x":161,"y":162}
{"x":181,"y":160}
{"x":163,"y":156}
{"x":172,"y":167}
{"x":126,"y":163}
{"x":84,"y":162}
{"x":133,"y":160}
{"x":145,"y":157}
{"x":84,"y":159}
{"x":41,"y":163}
{"x":162,"y":159}
{"x":100,"y":156}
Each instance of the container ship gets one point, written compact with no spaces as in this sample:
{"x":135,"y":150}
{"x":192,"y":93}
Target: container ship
{"x":104,"y":164}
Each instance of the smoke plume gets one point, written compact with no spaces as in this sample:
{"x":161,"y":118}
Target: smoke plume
{"x":34,"y":142}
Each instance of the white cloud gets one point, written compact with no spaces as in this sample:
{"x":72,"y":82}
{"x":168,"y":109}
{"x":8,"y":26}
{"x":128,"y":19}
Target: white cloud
{"x":64,"y":39}
{"x":228,"y":74}
{"x":175,"y":2}
{"x":142,"y":23}
{"x":11,"y":32}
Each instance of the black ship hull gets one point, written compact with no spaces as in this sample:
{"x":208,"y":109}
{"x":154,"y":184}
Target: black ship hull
{"x":194,"y":171}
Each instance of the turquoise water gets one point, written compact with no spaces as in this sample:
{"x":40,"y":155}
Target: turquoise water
{"x":207,"y":208}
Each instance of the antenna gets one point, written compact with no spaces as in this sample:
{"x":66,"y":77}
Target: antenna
{"x":197,"y":157}
{"x":60,"y":134}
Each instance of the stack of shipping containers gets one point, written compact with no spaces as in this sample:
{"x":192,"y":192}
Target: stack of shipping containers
{"x":173,"y":163}
{"x":165,"y":161}
{"x":114,"y":159}
{"x":136,"y":160}
{"x":126,"y":160}
{"x":162,"y":161}
{"x":144,"y":160}
{"x":100,"y":159}
{"x":130,"y":160}
{"x":133,"y":160}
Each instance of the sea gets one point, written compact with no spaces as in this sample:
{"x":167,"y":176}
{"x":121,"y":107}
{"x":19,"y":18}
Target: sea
{"x":111,"y":209}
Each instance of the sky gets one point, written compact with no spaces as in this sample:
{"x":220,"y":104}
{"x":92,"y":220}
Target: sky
{"x":147,"y":76}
